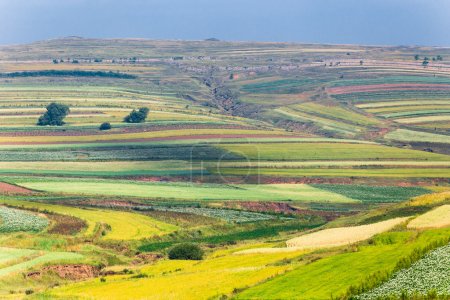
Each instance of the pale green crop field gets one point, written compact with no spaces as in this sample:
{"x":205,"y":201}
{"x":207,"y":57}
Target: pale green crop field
{"x":331,"y":172}
{"x":11,"y":254}
{"x":102,"y":168}
{"x":336,"y":112}
{"x":423,"y":119}
{"x":184,"y":191}
{"x":417,"y":136}
{"x":43,"y":258}
{"x":326,"y":164}
{"x":327,"y":151}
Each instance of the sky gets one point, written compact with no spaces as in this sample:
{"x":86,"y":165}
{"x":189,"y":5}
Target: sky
{"x":367,"y":22}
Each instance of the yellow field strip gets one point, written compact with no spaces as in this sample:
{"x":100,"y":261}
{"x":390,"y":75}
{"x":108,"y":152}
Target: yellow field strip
{"x":332,"y":237}
{"x":437,"y":218}
{"x":423,"y":119}
{"x":138,"y":135}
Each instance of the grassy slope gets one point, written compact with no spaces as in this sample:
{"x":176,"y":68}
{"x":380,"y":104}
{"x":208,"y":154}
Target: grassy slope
{"x":337,"y":273}
{"x":218,"y":275}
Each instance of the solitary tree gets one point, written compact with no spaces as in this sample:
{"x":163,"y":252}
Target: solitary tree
{"x":416,"y":57}
{"x":137,"y":116}
{"x":54,"y":115}
{"x":105,"y":126}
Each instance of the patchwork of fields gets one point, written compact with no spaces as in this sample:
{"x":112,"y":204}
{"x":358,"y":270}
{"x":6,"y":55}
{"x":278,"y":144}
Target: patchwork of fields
{"x":281,"y":171}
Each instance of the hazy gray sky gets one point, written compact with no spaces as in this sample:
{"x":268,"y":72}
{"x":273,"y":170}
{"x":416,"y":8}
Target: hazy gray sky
{"x":380,"y":22}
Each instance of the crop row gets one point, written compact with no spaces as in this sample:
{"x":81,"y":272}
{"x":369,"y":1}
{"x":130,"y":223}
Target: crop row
{"x":384,"y":95}
{"x":228,"y":215}
{"x":390,"y":80}
{"x":188,"y":152}
{"x":18,"y":220}
{"x":431,"y":273}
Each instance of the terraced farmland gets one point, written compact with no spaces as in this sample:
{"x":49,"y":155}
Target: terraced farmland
{"x":122,"y":225}
{"x":427,"y":274}
{"x":339,"y":152}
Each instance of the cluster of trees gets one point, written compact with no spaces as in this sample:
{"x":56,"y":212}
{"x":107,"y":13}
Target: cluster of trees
{"x":426,"y":60}
{"x":75,"y":61}
{"x":68,"y":73}
{"x":137,"y":116}
{"x":54,"y":115}
{"x":56,"y":112}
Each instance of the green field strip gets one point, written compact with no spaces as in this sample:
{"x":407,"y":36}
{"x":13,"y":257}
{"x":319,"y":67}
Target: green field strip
{"x":108,"y":173}
{"x":182,"y":191}
{"x":404,"y":103}
{"x":284,"y":86}
{"x":416,"y":113}
{"x":425,"y":119}
{"x":390,"y":80}
{"x":174,"y":143}
{"x":406,"y":108}
{"x":327,"y":151}
{"x":336,"y":112}
{"x":104,"y":168}
{"x":79,"y":127}
{"x":326,"y":164}
{"x":435,"y":125}
{"x":431,"y":95}
{"x":8,"y":255}
{"x":43,"y":259}
{"x":169,"y":133}
{"x":384,"y":172}
{"x":406,"y":135}
{"x":368,"y":193}
{"x":325,"y":123}
{"x":342,"y":270}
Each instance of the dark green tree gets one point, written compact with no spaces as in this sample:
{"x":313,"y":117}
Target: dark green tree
{"x":105,"y":126}
{"x":54,"y":115}
{"x":137,"y":116}
{"x":416,"y":57}
{"x":186,"y":251}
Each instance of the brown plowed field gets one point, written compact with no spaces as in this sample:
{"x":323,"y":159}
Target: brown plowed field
{"x":6,"y":188}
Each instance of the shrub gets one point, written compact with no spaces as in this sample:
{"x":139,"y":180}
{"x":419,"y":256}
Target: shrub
{"x":54,"y":115}
{"x":186,"y":251}
{"x":105,"y":126}
{"x":137,"y":116}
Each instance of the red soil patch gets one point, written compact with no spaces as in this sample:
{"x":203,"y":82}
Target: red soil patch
{"x":72,"y":272}
{"x":386,"y":87}
{"x":6,"y":188}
